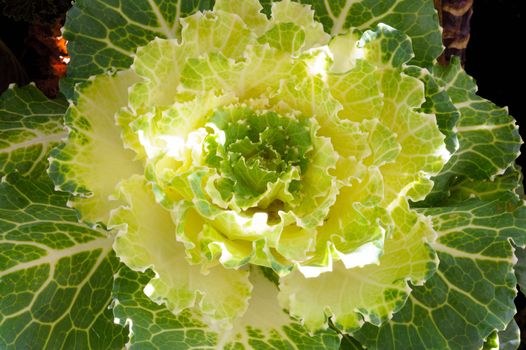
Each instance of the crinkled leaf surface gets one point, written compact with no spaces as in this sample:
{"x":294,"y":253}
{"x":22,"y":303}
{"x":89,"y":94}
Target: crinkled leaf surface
{"x":55,"y":274}
{"x":472,"y":292}
{"x":30,"y":125}
{"x":438,"y":103}
{"x":371,"y":292}
{"x":488,"y":138}
{"x":264,"y":326}
{"x":416,"y":18}
{"x":95,"y":160}
{"x":103,"y":35}
{"x":476,"y":210}
{"x":146,"y":239}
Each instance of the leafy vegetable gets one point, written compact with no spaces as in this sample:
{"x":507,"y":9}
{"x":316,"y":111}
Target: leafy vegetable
{"x":55,"y":273}
{"x":270,"y":176}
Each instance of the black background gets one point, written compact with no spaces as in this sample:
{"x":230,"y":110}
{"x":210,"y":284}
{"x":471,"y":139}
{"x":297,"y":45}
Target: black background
{"x":493,"y":57}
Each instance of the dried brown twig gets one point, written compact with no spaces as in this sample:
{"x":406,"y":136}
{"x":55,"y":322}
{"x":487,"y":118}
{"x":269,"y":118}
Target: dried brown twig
{"x":455,"y":16}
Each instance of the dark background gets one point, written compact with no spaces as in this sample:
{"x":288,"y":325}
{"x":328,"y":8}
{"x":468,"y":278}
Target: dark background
{"x":492,"y":58}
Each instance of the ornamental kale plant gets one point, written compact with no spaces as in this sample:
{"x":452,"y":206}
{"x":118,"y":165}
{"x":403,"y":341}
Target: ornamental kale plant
{"x":258,"y":175}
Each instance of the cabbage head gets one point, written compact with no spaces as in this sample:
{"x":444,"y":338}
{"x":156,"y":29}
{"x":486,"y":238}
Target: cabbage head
{"x":288,"y":175}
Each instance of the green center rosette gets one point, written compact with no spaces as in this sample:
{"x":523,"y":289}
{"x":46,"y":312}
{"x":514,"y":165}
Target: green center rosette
{"x":256,"y":156}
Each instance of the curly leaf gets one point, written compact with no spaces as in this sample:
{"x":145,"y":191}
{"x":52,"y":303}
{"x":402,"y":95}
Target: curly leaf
{"x":488,"y":137}
{"x":416,"y":18}
{"x":93,"y":160}
{"x":146,"y":239}
{"x":371,"y":293}
{"x":471,"y":295}
{"x":103,"y":36}
{"x":264,"y":325}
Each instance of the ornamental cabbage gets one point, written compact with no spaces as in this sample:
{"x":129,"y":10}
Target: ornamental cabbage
{"x":269,"y":175}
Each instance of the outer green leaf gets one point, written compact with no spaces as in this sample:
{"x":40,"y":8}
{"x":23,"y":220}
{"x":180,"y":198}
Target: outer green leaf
{"x":489,"y":140}
{"x":349,"y":343}
{"x":422,"y":152}
{"x":416,"y":18}
{"x":438,"y":103}
{"x":263,"y":327}
{"x":464,"y":188}
{"x":55,"y":274}
{"x":508,"y":339}
{"x":30,"y":125}
{"x":471,"y":294}
{"x":103,"y":35}
{"x":520,"y":269}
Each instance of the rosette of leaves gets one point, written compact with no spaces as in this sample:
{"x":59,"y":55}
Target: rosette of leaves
{"x":255,"y":142}
{"x":279,"y":177}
